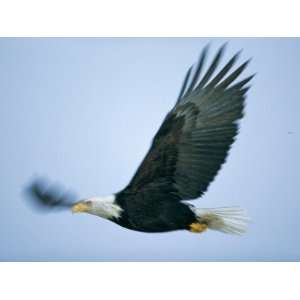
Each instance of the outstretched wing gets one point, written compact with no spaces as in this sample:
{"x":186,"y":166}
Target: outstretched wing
{"x":195,"y":137}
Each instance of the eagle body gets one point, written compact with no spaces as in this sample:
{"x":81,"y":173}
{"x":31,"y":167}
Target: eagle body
{"x":148,"y":212}
{"x":186,"y":154}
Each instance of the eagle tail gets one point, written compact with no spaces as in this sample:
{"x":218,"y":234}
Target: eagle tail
{"x":231,"y":220}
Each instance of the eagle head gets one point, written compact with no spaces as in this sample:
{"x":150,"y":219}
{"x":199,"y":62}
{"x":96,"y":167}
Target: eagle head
{"x":104,"y":207}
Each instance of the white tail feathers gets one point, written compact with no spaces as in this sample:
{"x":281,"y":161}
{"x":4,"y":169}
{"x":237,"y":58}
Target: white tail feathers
{"x":231,"y":220}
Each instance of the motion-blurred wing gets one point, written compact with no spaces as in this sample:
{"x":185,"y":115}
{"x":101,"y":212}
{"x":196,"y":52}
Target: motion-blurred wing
{"x":195,"y":137}
{"x":45,"y":197}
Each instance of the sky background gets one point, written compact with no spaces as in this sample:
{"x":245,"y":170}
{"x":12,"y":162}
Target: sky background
{"x":83,"y":112}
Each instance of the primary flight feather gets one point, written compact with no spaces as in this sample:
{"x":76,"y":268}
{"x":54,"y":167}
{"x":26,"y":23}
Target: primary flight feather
{"x":185,"y":156}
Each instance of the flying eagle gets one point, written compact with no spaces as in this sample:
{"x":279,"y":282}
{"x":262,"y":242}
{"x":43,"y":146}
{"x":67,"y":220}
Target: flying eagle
{"x":185,"y":156}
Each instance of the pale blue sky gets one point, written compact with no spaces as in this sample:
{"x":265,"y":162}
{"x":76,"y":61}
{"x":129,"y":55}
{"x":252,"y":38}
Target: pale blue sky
{"x":83,"y":112}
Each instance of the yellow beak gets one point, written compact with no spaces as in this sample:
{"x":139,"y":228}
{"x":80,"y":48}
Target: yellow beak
{"x":80,"y":207}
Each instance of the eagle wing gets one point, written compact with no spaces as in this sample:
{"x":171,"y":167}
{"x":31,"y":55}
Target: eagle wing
{"x":45,"y":197}
{"x":193,"y":142}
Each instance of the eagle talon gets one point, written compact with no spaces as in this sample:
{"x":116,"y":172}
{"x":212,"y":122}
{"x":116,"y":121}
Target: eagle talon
{"x":198,"y":227}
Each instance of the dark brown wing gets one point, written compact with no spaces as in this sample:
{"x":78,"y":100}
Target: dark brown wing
{"x":193,"y":141}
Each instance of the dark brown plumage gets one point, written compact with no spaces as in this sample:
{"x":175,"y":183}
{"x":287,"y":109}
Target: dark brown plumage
{"x":193,"y":141}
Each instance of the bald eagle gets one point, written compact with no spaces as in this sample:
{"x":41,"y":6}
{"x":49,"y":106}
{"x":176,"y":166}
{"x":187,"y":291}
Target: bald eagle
{"x":185,"y":156}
